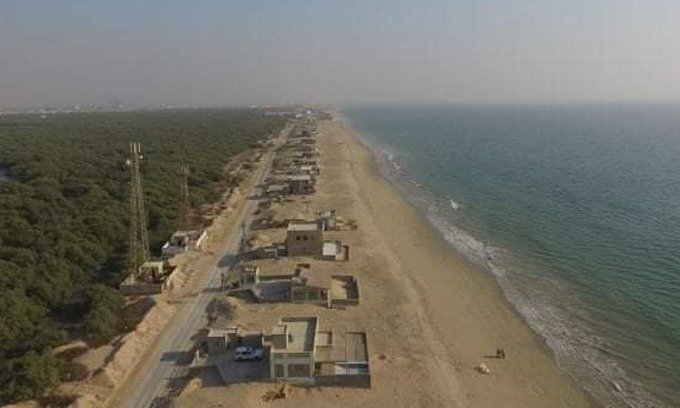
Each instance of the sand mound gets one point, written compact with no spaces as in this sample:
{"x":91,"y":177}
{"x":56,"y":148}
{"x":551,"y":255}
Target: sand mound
{"x":192,"y":385}
{"x":259,"y":241}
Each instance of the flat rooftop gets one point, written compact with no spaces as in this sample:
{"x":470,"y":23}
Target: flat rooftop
{"x":316,"y":279}
{"x":222,"y":332}
{"x":355,"y":346}
{"x":330,"y":248}
{"x":303,"y":226}
{"x":299,"y":177}
{"x":301,"y":332}
{"x":247,"y":269}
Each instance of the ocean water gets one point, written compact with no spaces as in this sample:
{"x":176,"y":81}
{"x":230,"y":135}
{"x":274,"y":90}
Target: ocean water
{"x":575,"y":210}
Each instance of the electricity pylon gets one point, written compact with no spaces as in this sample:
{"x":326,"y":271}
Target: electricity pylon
{"x":184,"y":196}
{"x":139,"y":234}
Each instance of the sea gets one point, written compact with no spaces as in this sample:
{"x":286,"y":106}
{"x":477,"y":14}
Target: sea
{"x":575,"y":209}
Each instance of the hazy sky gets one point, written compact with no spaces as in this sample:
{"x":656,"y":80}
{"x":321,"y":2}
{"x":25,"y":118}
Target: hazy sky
{"x":249,"y":51}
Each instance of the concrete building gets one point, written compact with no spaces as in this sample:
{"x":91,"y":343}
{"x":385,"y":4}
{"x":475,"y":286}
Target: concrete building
{"x":153,"y":277}
{"x":328,"y":219}
{"x":292,"y":343}
{"x":304,"y":238}
{"x":310,"y":169}
{"x":182,"y":241}
{"x":301,"y":353}
{"x":311,"y":287}
{"x":302,"y":286}
{"x":300,"y":183}
{"x":248,"y":277}
{"x":276,"y":189}
{"x":219,"y":341}
{"x":335,"y":251}
{"x":296,"y":351}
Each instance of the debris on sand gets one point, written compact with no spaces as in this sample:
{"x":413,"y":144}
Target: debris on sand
{"x":483,"y":368}
{"x":282,"y":392}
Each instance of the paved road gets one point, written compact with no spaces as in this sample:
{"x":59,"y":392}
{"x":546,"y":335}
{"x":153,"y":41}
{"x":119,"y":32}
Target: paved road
{"x":191,"y":317}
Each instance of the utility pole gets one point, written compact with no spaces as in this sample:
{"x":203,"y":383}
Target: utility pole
{"x":139,"y":235}
{"x":184,"y":203}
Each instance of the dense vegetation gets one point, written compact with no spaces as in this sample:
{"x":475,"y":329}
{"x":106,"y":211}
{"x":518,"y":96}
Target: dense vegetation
{"x":64,"y":219}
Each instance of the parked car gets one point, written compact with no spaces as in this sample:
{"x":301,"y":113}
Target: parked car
{"x":247,"y":353}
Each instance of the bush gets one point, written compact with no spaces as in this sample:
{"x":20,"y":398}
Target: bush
{"x":73,"y":371}
{"x":64,"y":219}
{"x":28,"y":376}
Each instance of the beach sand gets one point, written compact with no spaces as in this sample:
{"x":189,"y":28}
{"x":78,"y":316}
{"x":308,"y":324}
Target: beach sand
{"x":431,"y":316}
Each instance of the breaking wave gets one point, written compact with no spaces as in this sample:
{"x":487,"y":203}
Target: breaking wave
{"x":545,"y":303}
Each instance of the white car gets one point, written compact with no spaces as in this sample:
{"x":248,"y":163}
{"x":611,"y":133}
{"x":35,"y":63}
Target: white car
{"x":246,"y":353}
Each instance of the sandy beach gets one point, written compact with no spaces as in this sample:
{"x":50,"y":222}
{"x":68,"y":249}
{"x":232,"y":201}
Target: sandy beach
{"x":431,"y":316}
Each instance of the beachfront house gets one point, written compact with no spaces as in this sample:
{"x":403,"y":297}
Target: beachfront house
{"x":300,"y":183}
{"x":324,"y":289}
{"x":304,"y":238}
{"x":296,"y":351}
{"x":182,"y":241}
{"x":310,"y":287}
{"x":301,"y":353}
{"x":302,"y":286}
{"x":219,"y":341}
{"x":335,"y":251}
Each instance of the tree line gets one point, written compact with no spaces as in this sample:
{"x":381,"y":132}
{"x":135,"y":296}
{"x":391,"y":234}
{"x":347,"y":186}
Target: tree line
{"x":64,"y":219}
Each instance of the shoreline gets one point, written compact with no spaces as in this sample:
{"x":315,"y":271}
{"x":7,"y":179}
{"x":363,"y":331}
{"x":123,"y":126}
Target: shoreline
{"x":555,"y":295}
{"x":431,"y":315}
{"x":474,"y":265}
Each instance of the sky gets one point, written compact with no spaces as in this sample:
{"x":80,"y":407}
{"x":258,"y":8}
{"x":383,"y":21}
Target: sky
{"x":339,"y":52}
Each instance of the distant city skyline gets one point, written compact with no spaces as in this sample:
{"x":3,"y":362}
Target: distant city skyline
{"x":226,"y":53}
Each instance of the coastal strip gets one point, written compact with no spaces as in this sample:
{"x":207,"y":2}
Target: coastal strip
{"x":432,"y":316}
{"x":458,"y":301}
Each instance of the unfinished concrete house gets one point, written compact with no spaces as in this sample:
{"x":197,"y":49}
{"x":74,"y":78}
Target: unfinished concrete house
{"x":300,"y":183}
{"x":153,"y":277}
{"x":248,"y":276}
{"x":335,"y":251}
{"x":275,"y":190}
{"x":310,"y":287}
{"x":219,"y":341}
{"x":310,"y":169}
{"x":301,"y":353}
{"x":344,"y":290}
{"x":292,"y":343}
{"x":182,"y":241}
{"x":328,"y":220}
{"x":304,"y":238}
{"x":324,"y":289}
{"x":303,"y":286}
{"x":296,"y":160}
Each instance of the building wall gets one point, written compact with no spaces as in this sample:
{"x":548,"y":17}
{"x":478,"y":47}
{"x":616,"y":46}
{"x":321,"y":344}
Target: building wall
{"x":301,"y":187}
{"x":216,"y":345}
{"x":308,"y":294}
{"x":291,"y":365}
{"x":350,"y":381}
{"x":304,"y":243}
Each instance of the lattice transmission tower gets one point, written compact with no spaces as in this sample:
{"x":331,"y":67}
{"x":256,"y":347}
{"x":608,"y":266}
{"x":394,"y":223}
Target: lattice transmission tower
{"x":139,"y":234}
{"x":184,"y":204}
